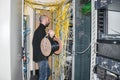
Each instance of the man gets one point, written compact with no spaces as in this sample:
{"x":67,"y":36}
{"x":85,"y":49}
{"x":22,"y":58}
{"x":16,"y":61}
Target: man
{"x":38,"y":57}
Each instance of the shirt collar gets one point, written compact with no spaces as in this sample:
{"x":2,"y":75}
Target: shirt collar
{"x":42,"y":26}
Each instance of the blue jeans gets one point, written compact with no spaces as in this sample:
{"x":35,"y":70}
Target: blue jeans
{"x":44,"y":70}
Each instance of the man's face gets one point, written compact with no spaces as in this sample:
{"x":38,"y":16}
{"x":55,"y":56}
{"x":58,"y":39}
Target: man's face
{"x":47,"y":22}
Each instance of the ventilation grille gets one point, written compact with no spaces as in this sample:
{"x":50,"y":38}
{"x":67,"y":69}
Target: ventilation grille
{"x":101,"y":22}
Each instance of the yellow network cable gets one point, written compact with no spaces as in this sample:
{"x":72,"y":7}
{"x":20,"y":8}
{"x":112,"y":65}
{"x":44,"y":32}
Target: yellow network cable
{"x":62,"y":30}
{"x":46,"y":4}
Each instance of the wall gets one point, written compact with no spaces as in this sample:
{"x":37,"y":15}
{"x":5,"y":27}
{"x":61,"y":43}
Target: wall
{"x":5,"y":40}
{"x":16,"y":39}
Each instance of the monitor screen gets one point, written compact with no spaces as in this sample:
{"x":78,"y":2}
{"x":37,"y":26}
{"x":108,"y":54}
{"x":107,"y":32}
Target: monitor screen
{"x":113,"y":23}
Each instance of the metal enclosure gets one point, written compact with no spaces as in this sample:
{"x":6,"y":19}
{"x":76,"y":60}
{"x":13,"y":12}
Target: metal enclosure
{"x":10,"y":43}
{"x":82,"y":42}
{"x":105,"y":38}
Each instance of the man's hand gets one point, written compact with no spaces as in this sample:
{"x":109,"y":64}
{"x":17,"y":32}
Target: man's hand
{"x":51,"y":33}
